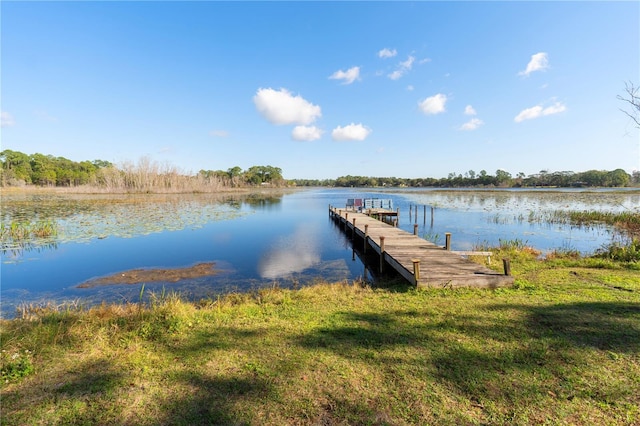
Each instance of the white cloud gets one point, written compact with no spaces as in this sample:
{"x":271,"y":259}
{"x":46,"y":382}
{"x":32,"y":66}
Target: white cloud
{"x":433,"y":104}
{"x":410,"y":88}
{"x":539,"y":111}
{"x":469,"y":110}
{"x":403,"y":68}
{"x":281,"y":107}
{"x":538,"y":62}
{"x":396,"y":75}
{"x":424,"y":61}
{"x":219,"y":133}
{"x":348,"y":76}
{"x":306,"y":133}
{"x":472,"y":124}
{"x":6,"y":119}
{"x":352,"y":132}
{"x":387,"y":53}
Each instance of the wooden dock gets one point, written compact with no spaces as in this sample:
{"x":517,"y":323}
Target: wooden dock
{"x":419,"y":261}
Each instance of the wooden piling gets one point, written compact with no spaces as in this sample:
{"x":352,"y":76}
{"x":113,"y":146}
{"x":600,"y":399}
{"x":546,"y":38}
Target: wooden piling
{"x":506,"y":263}
{"x":366,"y":237}
{"x":416,"y":270}
{"x":415,"y":229}
{"x":447,"y":242}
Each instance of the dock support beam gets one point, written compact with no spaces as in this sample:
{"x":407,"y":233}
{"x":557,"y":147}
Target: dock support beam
{"x":447,"y":241}
{"x":415,"y":229}
{"x":506,"y":263}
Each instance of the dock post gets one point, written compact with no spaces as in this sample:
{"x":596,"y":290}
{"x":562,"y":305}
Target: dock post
{"x":416,"y":270}
{"x":366,"y":236}
{"x":381,"y":252}
{"x":415,"y":229}
{"x":507,"y":266}
{"x":432,"y":216}
{"x":398,"y":217}
{"x":415,"y":215}
{"x":424,"y":215}
{"x":447,"y":243}
{"x":353,"y":231}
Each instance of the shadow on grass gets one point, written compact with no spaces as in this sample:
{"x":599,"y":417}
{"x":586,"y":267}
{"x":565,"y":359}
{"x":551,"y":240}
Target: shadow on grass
{"x":613,"y":326}
{"x":551,"y":358}
{"x":213,"y":400}
{"x":76,"y":399}
{"x":530,"y":353}
{"x":362,"y":331}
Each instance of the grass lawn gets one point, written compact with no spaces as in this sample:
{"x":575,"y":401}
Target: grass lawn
{"x":560,"y":347}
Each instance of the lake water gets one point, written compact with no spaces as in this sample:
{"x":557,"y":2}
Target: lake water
{"x":260,"y":239}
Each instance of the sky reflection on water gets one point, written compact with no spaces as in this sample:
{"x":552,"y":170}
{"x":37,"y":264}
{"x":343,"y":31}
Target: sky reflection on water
{"x":261,"y":239}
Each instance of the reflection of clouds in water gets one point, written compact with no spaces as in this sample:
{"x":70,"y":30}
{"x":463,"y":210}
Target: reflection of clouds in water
{"x":293,"y":253}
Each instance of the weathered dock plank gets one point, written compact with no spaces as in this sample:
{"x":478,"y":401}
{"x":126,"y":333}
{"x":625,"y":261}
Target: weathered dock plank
{"x":413,"y":256}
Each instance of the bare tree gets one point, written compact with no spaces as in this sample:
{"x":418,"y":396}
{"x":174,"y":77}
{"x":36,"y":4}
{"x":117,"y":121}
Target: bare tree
{"x":633,"y":99}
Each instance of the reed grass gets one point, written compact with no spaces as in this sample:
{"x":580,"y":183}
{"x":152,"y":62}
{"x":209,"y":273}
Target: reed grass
{"x":18,"y":231}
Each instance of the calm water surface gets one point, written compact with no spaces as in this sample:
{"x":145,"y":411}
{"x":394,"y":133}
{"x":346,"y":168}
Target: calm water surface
{"x":259,"y":239}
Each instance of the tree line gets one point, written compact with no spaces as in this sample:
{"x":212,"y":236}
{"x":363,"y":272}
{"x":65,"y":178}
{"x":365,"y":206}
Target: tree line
{"x":19,"y":169}
{"x":501,"y":179}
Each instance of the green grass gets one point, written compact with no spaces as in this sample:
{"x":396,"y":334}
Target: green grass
{"x":560,"y":347}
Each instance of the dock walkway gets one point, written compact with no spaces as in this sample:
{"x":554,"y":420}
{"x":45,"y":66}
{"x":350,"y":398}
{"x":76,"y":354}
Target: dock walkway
{"x":419,"y":261}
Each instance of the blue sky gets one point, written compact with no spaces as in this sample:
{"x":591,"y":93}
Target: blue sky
{"x":324,"y":89}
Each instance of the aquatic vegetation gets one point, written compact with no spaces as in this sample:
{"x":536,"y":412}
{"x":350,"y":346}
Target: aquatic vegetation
{"x":18,"y":231}
{"x":137,"y":276}
{"x":627,"y":220}
{"x":17,"y":237}
{"x":73,"y":218}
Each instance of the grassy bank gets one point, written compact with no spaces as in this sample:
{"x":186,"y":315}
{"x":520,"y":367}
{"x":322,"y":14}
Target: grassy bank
{"x":561,"y":347}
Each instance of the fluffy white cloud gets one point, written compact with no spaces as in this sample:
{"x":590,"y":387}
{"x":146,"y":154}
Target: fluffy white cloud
{"x":539,"y":111}
{"x":348,"y":76}
{"x":403,"y":68}
{"x":472,"y":124}
{"x":281,"y":107}
{"x":306,"y":133}
{"x":469,"y":110}
{"x":352,"y":132}
{"x":410,"y":88}
{"x":538,"y":62}
{"x":6,"y":119}
{"x":387,"y":53}
{"x":219,"y":133}
{"x":433,"y":104}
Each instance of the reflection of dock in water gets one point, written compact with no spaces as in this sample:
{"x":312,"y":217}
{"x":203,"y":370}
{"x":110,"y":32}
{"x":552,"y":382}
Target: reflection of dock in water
{"x":419,"y":261}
